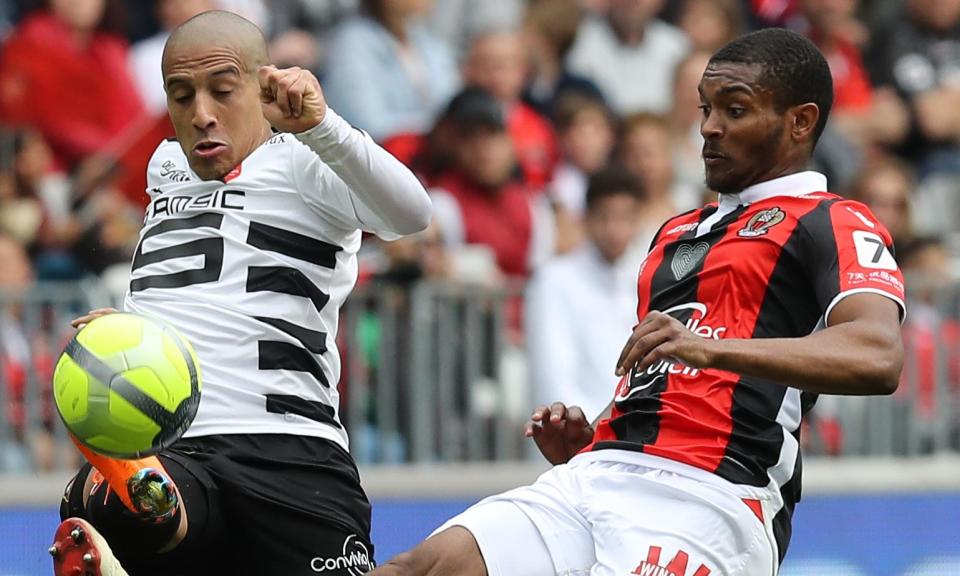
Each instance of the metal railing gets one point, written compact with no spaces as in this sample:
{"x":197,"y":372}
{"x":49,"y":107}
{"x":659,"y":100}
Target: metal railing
{"x":437,"y":373}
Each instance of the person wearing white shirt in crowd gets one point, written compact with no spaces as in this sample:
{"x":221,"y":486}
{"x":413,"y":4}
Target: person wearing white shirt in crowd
{"x":581,"y":305}
{"x":145,"y":55}
{"x":628,"y":44}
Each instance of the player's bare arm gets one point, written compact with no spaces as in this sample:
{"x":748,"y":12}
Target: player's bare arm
{"x":861,"y":351}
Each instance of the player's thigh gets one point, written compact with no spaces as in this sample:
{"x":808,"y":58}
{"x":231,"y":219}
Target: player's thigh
{"x":294,"y":504}
{"x":275,"y":539}
{"x":531,"y":531}
{"x":662,"y":523}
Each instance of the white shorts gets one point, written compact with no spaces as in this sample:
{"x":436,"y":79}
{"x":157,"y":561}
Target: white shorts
{"x":619,"y":513}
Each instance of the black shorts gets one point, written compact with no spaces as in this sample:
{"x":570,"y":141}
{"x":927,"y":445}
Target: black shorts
{"x":263,"y":504}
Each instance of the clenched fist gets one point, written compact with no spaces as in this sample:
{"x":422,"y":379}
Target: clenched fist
{"x":559,"y":431}
{"x":291,"y":98}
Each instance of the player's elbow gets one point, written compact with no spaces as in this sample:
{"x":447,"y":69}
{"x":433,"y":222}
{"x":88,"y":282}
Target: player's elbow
{"x":419,"y":217}
{"x":882,"y":374}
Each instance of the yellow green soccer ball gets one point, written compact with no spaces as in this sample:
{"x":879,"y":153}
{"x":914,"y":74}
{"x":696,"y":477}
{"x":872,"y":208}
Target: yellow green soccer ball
{"x":127,"y":386}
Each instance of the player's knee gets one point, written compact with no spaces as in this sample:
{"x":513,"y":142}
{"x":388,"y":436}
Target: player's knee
{"x":72,"y":505}
{"x":126,"y":532}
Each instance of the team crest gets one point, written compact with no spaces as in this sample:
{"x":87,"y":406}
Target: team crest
{"x":759,"y":223}
{"x":687,"y":258}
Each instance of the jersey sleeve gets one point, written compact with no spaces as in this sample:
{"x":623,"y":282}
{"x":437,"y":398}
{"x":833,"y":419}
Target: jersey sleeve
{"x":343,"y":174}
{"x":851,"y":253}
{"x":167,"y":160}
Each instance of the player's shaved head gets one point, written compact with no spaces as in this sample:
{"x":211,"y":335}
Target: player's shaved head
{"x":210,"y":73}
{"x":218,"y":29}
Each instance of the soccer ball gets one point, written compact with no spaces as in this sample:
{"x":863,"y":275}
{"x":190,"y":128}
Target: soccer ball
{"x":127,"y":386}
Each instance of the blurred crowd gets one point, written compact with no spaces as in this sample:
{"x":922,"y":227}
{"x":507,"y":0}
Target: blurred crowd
{"x":555,"y":136}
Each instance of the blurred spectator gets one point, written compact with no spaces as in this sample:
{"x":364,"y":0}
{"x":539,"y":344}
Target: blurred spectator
{"x":386,"y":73}
{"x":630,"y":55}
{"x":52,"y":196}
{"x":110,"y":229}
{"x":931,"y":374}
{"x":64,"y":74}
{"x":458,"y":22}
{"x":773,"y":12}
{"x":684,"y":121}
{"x":921,"y":58}
{"x":299,"y":30}
{"x":865,"y":115}
{"x":886,"y":186}
{"x":145,"y":55}
{"x":709,"y":24}
{"x":20,"y":213}
{"x":496,"y":62}
{"x":549,"y":29}
{"x":581,"y":306}
{"x":415,"y":258}
{"x":585,"y":127}
{"x":926,"y":268}
{"x":19,"y":358}
{"x":257,"y":11}
{"x":140,"y":19}
{"x":6,"y":17}
{"x":645,"y":150}
{"x":478,"y":201}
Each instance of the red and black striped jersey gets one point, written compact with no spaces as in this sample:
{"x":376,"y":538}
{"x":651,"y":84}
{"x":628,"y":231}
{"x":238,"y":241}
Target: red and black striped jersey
{"x":770,"y":262}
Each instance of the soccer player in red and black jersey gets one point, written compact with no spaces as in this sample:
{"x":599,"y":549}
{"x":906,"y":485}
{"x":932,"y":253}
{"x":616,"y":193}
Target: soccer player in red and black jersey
{"x":748,"y":308}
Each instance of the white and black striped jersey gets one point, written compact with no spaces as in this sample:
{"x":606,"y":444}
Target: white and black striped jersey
{"x":253,"y":269}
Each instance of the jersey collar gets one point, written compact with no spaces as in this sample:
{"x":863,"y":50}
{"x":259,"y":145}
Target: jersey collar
{"x":797,"y":184}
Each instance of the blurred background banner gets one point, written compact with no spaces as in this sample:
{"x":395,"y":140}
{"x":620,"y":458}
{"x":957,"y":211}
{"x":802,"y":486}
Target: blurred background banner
{"x":555,"y":136}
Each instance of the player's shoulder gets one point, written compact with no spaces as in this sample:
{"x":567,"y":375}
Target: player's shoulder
{"x":168,"y":164}
{"x":834,"y":212}
{"x":680,"y":224}
{"x":811,"y":206}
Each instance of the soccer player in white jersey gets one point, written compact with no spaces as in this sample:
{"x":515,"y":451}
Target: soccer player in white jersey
{"x":248,"y":248}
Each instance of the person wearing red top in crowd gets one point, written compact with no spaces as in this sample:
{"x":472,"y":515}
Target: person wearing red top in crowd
{"x":478,"y":200}
{"x":60,"y":73}
{"x":865,"y":114}
{"x":497,"y":63}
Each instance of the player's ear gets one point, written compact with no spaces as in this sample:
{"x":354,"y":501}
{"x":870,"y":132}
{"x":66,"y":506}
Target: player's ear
{"x":804,"y":118}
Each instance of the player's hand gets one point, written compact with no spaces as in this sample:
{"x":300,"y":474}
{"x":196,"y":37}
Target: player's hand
{"x":291,"y":98}
{"x":82,"y":321}
{"x":560,"y":432}
{"x":658,"y":337}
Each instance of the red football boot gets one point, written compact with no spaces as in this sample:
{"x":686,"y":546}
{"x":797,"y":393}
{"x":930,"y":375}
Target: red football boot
{"x":79,"y":550}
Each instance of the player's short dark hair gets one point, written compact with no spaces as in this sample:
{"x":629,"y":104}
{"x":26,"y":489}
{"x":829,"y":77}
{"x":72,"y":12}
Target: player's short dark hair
{"x":613,"y":181}
{"x":792,"y":66}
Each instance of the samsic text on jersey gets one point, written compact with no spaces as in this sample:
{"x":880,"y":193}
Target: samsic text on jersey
{"x":253,"y":272}
{"x":770,"y":262}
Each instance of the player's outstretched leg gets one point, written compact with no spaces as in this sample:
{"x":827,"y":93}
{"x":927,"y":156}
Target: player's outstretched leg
{"x":146,"y":536}
{"x":144,"y":486}
{"x":453,"y":551}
